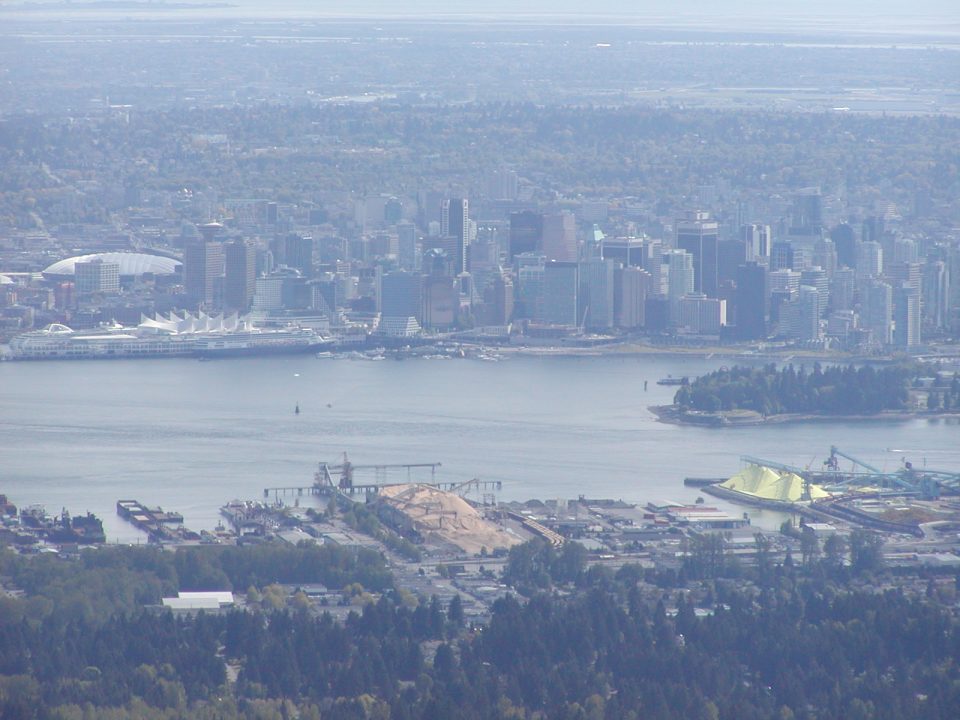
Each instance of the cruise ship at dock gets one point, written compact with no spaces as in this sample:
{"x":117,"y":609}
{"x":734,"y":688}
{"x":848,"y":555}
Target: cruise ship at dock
{"x":172,"y":335}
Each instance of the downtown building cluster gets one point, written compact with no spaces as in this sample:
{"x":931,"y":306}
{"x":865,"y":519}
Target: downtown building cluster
{"x":508,"y":265}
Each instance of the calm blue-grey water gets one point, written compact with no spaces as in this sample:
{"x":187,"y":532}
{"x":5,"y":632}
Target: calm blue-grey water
{"x":191,"y":435}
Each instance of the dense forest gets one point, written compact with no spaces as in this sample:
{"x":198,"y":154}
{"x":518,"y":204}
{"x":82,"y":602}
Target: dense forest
{"x":118,"y":580}
{"x":832,"y":390}
{"x":794,"y":642}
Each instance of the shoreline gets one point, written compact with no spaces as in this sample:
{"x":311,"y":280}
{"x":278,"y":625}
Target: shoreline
{"x":672,"y":415}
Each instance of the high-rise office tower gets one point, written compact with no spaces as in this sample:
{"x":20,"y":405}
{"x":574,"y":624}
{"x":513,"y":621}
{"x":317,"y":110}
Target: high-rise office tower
{"x":325,"y":293}
{"x":698,"y":235}
{"x":298,"y":253}
{"x":678,"y":265}
{"x":268,"y":293}
{"x":628,"y":251}
{"x":630,"y":288}
{"x":936,"y":293}
{"x":817,"y":277}
{"x":784,"y":280}
{"x":953,"y":289}
{"x":498,"y":300}
{"x":782,"y":256}
{"x":202,"y":271}
{"x":845,"y":243}
{"x":824,"y":256}
{"x":876,"y":302}
{"x":596,"y":293}
{"x":96,"y":276}
{"x":407,"y":246}
{"x":869,"y":260}
{"x":751,"y":301}
{"x":530,"y":291}
{"x":906,"y":316}
{"x":392,"y":211}
{"x":441,"y":302}
{"x":807,"y":219}
{"x":800,"y":317}
{"x":455,"y":225}
{"x":561,"y":293}
{"x":526,"y":232}
{"x":910,"y":273}
{"x":401,"y":295}
{"x":240,"y":275}
{"x":872,"y":229}
{"x":842,"y":289}
{"x":560,"y":237}
{"x":731,"y":254}
{"x":757,"y":240}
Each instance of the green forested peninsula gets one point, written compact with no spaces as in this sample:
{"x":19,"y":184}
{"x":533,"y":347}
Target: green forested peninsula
{"x":834,"y":390}
{"x":777,"y":641}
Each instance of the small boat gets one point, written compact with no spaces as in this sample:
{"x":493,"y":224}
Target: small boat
{"x":674,"y":381}
{"x":296,"y":409}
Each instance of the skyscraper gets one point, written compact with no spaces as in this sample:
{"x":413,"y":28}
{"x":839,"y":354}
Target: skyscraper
{"x":906,"y":316}
{"x":298,"y":253}
{"x":96,"y":276}
{"x":498,"y":300}
{"x":757,"y":241}
{"x":561,"y":285}
{"x":401,"y":295}
{"x":936,"y":292}
{"x":530,"y":289}
{"x":846,"y":244}
{"x":407,"y":246}
{"x":202,"y":270}
{"x":782,"y":256}
{"x":560,"y":237}
{"x":631,"y":286}
{"x":596,"y":293}
{"x":455,"y":225}
{"x":679,"y":271}
{"x":698,"y":235}
{"x":526,"y":231}
{"x":239,"y":283}
{"x":842,"y":289}
{"x":876,"y":300}
{"x":628,"y":251}
{"x":800,"y":317}
{"x":751,"y":301}
{"x":807,"y":217}
{"x":869,"y":260}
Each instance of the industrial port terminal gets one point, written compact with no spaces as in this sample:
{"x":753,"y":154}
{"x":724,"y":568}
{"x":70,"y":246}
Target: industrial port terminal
{"x":421,"y":521}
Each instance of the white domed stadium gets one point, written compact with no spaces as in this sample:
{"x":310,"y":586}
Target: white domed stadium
{"x":131,"y":264}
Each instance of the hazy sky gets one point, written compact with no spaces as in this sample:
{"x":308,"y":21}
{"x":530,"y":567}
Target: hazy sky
{"x":948,"y":9}
{"x":934,"y":17}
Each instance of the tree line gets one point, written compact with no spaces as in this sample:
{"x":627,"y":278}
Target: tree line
{"x":831,"y":390}
{"x":720,"y":641}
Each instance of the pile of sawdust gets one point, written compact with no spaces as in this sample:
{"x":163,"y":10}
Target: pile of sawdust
{"x":444,"y":517}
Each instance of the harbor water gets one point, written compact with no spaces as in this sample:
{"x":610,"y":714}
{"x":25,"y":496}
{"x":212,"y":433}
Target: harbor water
{"x":190,"y":435}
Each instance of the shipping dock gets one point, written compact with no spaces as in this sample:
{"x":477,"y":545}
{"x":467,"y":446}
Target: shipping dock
{"x":159,"y":525}
{"x":340,"y":479}
{"x":863,"y":495}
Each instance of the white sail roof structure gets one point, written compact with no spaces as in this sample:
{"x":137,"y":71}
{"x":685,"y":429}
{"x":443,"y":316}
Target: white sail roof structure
{"x":188,"y":324}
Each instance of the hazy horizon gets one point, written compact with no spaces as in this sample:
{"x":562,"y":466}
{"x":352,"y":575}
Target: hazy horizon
{"x":790,"y":15}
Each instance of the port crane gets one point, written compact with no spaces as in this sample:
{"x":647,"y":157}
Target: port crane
{"x":339,"y":479}
{"x":346,"y":469}
{"x":925,"y":482}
